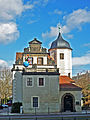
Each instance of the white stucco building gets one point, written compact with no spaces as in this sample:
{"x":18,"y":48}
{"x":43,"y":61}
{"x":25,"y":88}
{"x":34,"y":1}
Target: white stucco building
{"x":62,"y":53}
{"x":42,"y":80}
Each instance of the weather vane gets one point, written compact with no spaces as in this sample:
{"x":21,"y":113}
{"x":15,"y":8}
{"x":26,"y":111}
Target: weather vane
{"x":59,"y":27}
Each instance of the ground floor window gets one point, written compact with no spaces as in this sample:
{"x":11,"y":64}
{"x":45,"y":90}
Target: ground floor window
{"x":35,"y":102}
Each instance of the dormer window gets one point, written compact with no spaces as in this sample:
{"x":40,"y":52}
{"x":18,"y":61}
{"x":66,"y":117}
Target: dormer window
{"x":40,"y":61}
{"x":61,"y":56}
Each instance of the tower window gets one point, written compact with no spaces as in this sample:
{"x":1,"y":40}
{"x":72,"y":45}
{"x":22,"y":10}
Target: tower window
{"x":61,"y":56}
{"x":68,"y":74}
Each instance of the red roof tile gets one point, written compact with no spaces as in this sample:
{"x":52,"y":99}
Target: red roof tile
{"x":65,"y":80}
{"x":67,"y":83}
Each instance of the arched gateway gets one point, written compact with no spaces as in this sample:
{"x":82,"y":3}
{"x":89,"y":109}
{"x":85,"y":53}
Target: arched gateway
{"x":68,"y":102}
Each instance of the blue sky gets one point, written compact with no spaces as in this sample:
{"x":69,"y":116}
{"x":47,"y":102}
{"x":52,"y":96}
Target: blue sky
{"x":23,"y":20}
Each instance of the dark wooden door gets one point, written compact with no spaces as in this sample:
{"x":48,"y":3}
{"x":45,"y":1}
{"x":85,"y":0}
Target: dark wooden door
{"x":68,"y":103}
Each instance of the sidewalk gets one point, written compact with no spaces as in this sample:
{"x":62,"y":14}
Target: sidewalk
{"x":46,"y":114}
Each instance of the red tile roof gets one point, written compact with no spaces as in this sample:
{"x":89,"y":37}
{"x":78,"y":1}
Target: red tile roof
{"x":65,"y":80}
{"x":67,"y":83}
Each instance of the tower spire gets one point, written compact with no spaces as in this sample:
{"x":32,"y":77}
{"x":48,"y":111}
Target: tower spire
{"x":59,"y":27}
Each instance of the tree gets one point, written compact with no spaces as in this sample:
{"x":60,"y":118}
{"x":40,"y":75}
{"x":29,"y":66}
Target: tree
{"x":5,"y":84}
{"x":84,"y":81}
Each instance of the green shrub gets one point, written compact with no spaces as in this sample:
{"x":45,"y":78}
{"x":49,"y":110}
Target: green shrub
{"x":16,"y":107}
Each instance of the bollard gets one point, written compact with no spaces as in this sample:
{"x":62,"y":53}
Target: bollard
{"x":35,"y":110}
{"x":48,"y":110}
{"x":74,"y":118}
{"x":62,"y":118}
{"x":21,"y":109}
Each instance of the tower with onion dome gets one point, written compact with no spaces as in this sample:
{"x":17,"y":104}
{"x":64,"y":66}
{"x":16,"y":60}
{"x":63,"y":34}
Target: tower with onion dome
{"x":61,"y":52}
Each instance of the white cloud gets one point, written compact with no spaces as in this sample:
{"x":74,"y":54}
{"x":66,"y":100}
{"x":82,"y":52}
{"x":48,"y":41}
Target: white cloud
{"x":83,"y":60}
{"x":8,"y":32}
{"x":3,"y":63}
{"x":45,"y":2}
{"x":53,"y":32}
{"x":40,"y":3}
{"x":74,"y":20}
{"x":9,"y":10}
{"x":32,"y":21}
{"x":56,"y":11}
{"x":69,"y":36}
{"x":87,"y":45}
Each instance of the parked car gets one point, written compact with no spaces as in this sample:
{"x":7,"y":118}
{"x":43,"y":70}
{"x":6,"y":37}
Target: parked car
{"x":5,"y":106}
{"x":1,"y":107}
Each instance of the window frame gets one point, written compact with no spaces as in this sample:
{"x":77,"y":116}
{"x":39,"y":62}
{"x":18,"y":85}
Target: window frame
{"x":69,"y":74}
{"x":62,"y":56}
{"x":43,"y":82}
{"x":32,"y":82}
{"x":33,"y":101}
{"x":38,"y":60}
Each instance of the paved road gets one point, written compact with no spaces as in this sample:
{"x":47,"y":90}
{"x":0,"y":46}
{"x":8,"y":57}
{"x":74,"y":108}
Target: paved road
{"x":6,"y":115}
{"x":5,"y":110}
{"x":43,"y":117}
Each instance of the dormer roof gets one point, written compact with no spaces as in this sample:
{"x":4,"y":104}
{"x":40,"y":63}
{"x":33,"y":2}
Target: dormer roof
{"x":35,"y":41}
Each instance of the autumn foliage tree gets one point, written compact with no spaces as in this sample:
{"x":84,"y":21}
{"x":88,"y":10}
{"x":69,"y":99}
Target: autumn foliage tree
{"x":5,"y":84}
{"x":83,"y":81}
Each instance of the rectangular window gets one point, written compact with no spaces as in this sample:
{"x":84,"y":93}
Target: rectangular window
{"x":61,"y":56}
{"x":41,"y":81}
{"x":29,"y":82}
{"x":40,"y":61}
{"x":35,"y":101}
{"x":77,"y":103}
{"x":68,"y":74}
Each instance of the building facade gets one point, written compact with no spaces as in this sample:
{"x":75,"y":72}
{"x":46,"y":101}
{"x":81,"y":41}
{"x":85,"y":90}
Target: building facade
{"x":42,"y":80}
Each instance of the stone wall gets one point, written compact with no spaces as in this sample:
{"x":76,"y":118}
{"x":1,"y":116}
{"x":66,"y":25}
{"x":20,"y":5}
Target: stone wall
{"x":48,"y":95}
{"x":77,"y":98}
